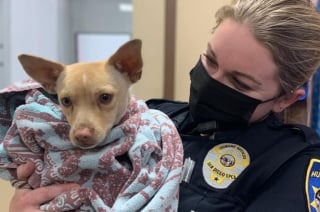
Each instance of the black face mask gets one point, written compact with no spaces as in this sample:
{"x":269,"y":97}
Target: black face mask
{"x":215,"y":105}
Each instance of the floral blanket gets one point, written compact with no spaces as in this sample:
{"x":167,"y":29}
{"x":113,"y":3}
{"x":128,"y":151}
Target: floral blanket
{"x":136,"y":168}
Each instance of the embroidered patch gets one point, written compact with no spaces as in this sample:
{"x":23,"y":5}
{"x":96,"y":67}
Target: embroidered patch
{"x":223,"y":164}
{"x":313,"y":185}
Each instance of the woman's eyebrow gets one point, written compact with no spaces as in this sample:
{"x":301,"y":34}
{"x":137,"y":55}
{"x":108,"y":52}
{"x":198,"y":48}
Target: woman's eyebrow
{"x":234,"y":72}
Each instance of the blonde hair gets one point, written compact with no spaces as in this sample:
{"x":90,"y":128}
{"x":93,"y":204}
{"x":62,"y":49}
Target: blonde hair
{"x":290,"y":29}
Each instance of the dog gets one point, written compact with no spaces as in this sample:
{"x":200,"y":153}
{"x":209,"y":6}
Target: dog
{"x":94,"y":95}
{"x":124,"y":155}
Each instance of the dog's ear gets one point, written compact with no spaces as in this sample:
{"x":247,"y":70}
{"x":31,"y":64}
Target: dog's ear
{"x":127,"y":59}
{"x":44,"y":71}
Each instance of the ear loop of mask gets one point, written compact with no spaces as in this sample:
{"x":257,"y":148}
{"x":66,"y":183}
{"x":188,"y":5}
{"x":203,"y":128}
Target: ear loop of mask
{"x":269,"y":100}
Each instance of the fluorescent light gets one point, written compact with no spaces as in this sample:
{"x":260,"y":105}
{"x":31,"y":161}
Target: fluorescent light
{"x":125,"y":7}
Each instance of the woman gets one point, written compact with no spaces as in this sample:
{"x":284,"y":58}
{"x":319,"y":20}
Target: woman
{"x":239,"y":155}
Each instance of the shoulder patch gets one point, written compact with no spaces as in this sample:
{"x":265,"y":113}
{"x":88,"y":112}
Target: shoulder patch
{"x":313,"y":185}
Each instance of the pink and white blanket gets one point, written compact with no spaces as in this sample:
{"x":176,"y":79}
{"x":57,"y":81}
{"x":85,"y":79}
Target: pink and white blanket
{"x":136,"y":168}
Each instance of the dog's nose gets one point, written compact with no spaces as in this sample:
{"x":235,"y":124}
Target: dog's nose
{"x":84,"y":136}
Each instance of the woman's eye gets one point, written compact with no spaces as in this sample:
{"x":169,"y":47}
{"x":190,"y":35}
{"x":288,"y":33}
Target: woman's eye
{"x":105,"y":98}
{"x":211,"y":61}
{"x":66,"y":101}
{"x":240,"y":85}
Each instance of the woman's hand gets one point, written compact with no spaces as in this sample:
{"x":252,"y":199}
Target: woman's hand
{"x":26,"y":200}
{"x":25,"y":170}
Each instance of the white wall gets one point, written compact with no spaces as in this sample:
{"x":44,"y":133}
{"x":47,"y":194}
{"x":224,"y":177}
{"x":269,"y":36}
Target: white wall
{"x":97,"y":16}
{"x":47,"y":29}
{"x":32,"y":30}
{"x":4,"y":44}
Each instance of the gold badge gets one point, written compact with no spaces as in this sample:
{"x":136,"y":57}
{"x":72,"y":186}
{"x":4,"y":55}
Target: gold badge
{"x":223,"y":164}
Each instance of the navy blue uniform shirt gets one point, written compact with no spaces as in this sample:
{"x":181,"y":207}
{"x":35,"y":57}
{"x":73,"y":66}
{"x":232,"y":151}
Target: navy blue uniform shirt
{"x":268,"y":166}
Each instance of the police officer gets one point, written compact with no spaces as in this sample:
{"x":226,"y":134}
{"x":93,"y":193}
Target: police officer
{"x":239,"y":156}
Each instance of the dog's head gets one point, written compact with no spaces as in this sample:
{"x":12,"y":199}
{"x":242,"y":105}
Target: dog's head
{"x":93,"y":96}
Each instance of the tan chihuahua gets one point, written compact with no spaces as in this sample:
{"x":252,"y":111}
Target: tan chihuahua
{"x":93,"y":96}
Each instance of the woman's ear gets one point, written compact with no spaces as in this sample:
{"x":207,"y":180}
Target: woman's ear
{"x":285,"y":101}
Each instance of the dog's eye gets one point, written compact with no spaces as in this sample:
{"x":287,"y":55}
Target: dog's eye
{"x":105,"y":98}
{"x":66,"y":101}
